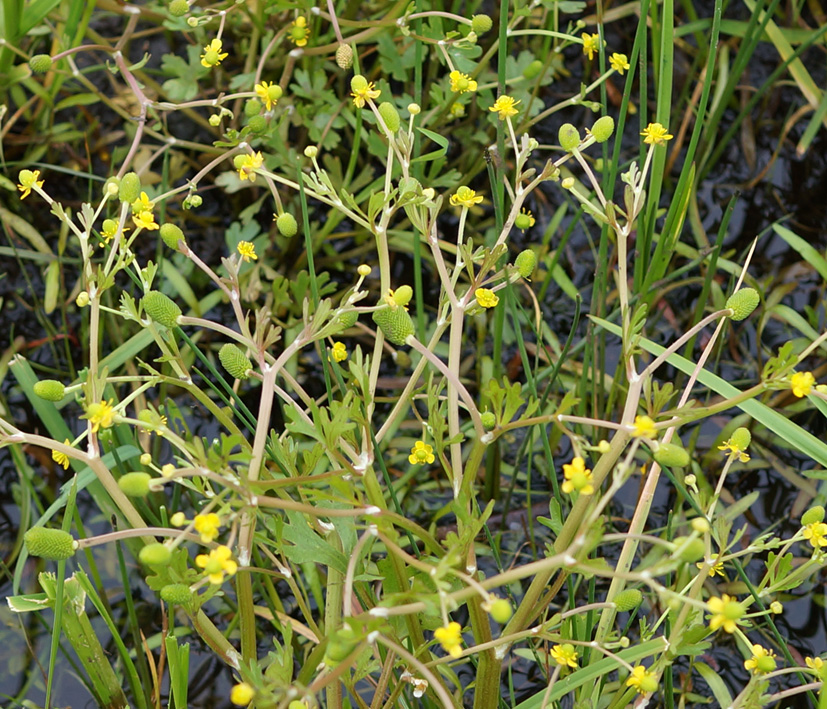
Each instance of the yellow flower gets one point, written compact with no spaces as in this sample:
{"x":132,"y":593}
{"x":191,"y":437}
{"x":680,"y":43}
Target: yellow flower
{"x":339,"y":352}
{"x":505,"y":106}
{"x":726,"y":612}
{"x":217,"y":564}
{"x":361,"y":94}
{"x":248,"y":164}
{"x":28,"y":181}
{"x":816,"y":534}
{"x":450,"y":637}
{"x":814,"y":663}
{"x":802,"y":383}
{"x":578,"y":477}
{"x":776,"y":607}
{"x":565,"y":655}
{"x":269,"y":93}
{"x":242,"y":694}
{"x":142,"y":204}
{"x":110,"y":229}
{"x":762,"y":660}
{"x":247,"y":251}
{"x":591,"y":44}
{"x":644,"y":682}
{"x":644,"y":427}
{"x":619,"y":63}
{"x":656,"y":134}
{"x":207,"y":526}
{"x":145,"y":220}
{"x":421,"y":453}
{"x":102,"y":415}
{"x":465,"y":197}
{"x":486,"y":297}
{"x":525,"y":220}
{"x":299,"y":32}
{"x":62,"y":458}
{"x":714,"y":568}
{"x":213,"y":55}
{"x":734,"y":450}
{"x":460,"y":83}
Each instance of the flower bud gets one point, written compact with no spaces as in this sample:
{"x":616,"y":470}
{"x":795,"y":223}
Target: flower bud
{"x":49,"y":389}
{"x":161,"y":309}
{"x":569,"y":137}
{"x":742,"y":303}
{"x":193,"y":201}
{"x":111,"y":186}
{"x":235,"y":361}
{"x":812,"y":515}
{"x":603,"y":128}
{"x":192,"y":21}
{"x":40,"y":63}
{"x":135,"y":484}
{"x":146,"y":459}
{"x":52,"y":544}
{"x":395,"y":324}
{"x":311,"y":151}
{"x":699,"y":524}
{"x":215,"y":120}
{"x":480,"y":24}
{"x":83,"y":299}
{"x":414,"y":109}
{"x":526,"y":261}
{"x":287,"y":224}
{"x":389,"y":115}
{"x":672,"y":455}
{"x":177,"y":593}
{"x":364,"y":270}
{"x":344,"y":56}
{"x":130,"y":188}
{"x":179,"y":8}
{"x":155,"y":554}
{"x":628,"y":600}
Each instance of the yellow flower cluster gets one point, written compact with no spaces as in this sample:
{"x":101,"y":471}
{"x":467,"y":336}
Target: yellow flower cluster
{"x":207,"y":526}
{"x":450,"y":637}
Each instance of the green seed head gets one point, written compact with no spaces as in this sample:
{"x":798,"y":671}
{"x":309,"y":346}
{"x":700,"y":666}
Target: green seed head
{"x":171,"y":235}
{"x":40,"y":63}
{"x":287,"y":224}
{"x":603,"y":128}
{"x":155,"y":554}
{"x":742,"y":303}
{"x":235,"y":361}
{"x":813,"y":515}
{"x":402,"y":295}
{"x":53,"y":544}
{"x":50,"y":389}
{"x":257,"y":124}
{"x":179,"y":8}
{"x":526,"y":261}
{"x":501,"y":611}
{"x":489,"y":420}
{"x":395,"y":324}
{"x":648,"y":684}
{"x":672,"y":455}
{"x":177,"y":593}
{"x":252,"y":107}
{"x":741,"y":438}
{"x":130,"y":187}
{"x":344,"y":56}
{"x":765,"y":664}
{"x":135,"y":484}
{"x":523,"y":221}
{"x":689,"y":550}
{"x":274,"y":92}
{"x":161,"y":309}
{"x":390,"y":115}
{"x":533,"y":70}
{"x":480,"y":24}
{"x":569,"y":137}
{"x":629,"y":599}
{"x":358,"y":83}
